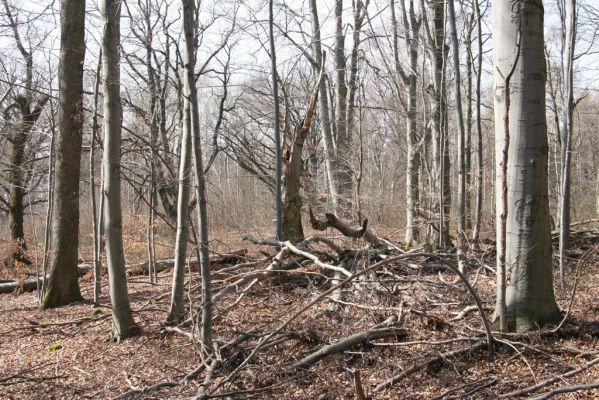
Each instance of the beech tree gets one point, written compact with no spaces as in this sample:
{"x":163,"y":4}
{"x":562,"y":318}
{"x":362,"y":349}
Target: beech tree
{"x":63,"y":286}
{"x":523,"y":220}
{"x":123,"y":324}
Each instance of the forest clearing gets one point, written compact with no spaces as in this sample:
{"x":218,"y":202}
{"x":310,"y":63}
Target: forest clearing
{"x":316,"y":199}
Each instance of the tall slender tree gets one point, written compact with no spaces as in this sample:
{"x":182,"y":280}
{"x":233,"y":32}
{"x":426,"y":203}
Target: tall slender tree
{"x":566,"y":135}
{"x":63,"y":286}
{"x":461,"y":206}
{"x":277,"y":127}
{"x":123,"y":324}
{"x":521,"y":129}
{"x":191,"y":104}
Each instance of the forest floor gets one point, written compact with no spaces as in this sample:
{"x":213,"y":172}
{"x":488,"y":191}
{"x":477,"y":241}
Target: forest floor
{"x":63,"y":353}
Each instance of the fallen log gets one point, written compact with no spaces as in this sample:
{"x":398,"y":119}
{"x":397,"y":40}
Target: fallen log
{"x":161,"y":265}
{"x":9,"y":286}
{"x":363,"y":337}
{"x":332,"y":221}
{"x":29,"y":285}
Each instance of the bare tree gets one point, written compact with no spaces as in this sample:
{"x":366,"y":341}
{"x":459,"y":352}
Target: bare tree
{"x":25,"y":110}
{"x":191,"y":107}
{"x":123,"y":324}
{"x":63,"y":285}
{"x":566,"y":135}
{"x":461,"y":200}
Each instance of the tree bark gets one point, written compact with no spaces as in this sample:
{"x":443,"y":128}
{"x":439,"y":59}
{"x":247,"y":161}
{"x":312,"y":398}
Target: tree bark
{"x":123,"y":324}
{"x":566,"y":136}
{"x":518,"y":50}
{"x":292,"y":228}
{"x":63,"y":285}
{"x":177,"y":311}
{"x":96,"y":222}
{"x":461,"y":206}
{"x":191,"y":96}
{"x":277,"y":132}
{"x":441,"y":162}
{"x":325,"y":112}
{"x":479,"y":136}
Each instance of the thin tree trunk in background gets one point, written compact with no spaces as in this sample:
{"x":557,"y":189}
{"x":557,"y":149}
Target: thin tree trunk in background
{"x":597,"y":193}
{"x":123,"y":324}
{"x":277,"y":127}
{"x":479,"y":135}
{"x":189,"y":27}
{"x":325,"y":112}
{"x":342,"y":135}
{"x":435,"y":33}
{"x":63,"y":285}
{"x":564,"y":231}
{"x":519,"y":78}
{"x":411,"y":31}
{"x":92,"y":186}
{"x":461,"y":206}
{"x":47,"y":231}
{"x":177,"y":309}
{"x":468,"y":126}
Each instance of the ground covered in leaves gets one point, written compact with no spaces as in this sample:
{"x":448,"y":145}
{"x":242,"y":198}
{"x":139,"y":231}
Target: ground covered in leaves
{"x":431,"y":337}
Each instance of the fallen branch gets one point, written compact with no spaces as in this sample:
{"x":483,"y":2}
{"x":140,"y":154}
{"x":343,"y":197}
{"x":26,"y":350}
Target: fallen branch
{"x":588,"y":221}
{"x":557,"y":378}
{"x":417,"y":367}
{"x":566,"y":389}
{"x":363,"y":337}
{"x":332,"y":221}
{"x":32,"y":284}
{"x":316,"y":260}
{"x":141,"y":392}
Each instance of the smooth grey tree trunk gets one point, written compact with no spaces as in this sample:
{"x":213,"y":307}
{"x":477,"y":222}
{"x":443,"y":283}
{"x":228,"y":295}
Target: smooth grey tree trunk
{"x":461,"y":206}
{"x":435,"y":34}
{"x":189,"y":28}
{"x":325,"y":113}
{"x":63,"y":285}
{"x":479,"y":136}
{"x":177,"y":310}
{"x":123,"y":324}
{"x":564,"y":231}
{"x":342,"y":135}
{"x":411,"y":32}
{"x":96,"y":222}
{"x":49,"y":206}
{"x":277,"y":127}
{"x":519,"y":60}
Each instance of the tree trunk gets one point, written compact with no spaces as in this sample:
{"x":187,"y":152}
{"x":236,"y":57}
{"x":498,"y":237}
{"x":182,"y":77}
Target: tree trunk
{"x":92,"y":187}
{"x":479,"y":136}
{"x":330,"y":151}
{"x":461,"y":209}
{"x":441,"y":161}
{"x":566,"y":136}
{"x":63,"y":285}
{"x":294,"y":168}
{"x":411,"y":31}
{"x":342,"y":135}
{"x":177,"y":310}
{"x":123,"y":324}
{"x":519,"y":59}
{"x":277,"y":132}
{"x":189,"y":27}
